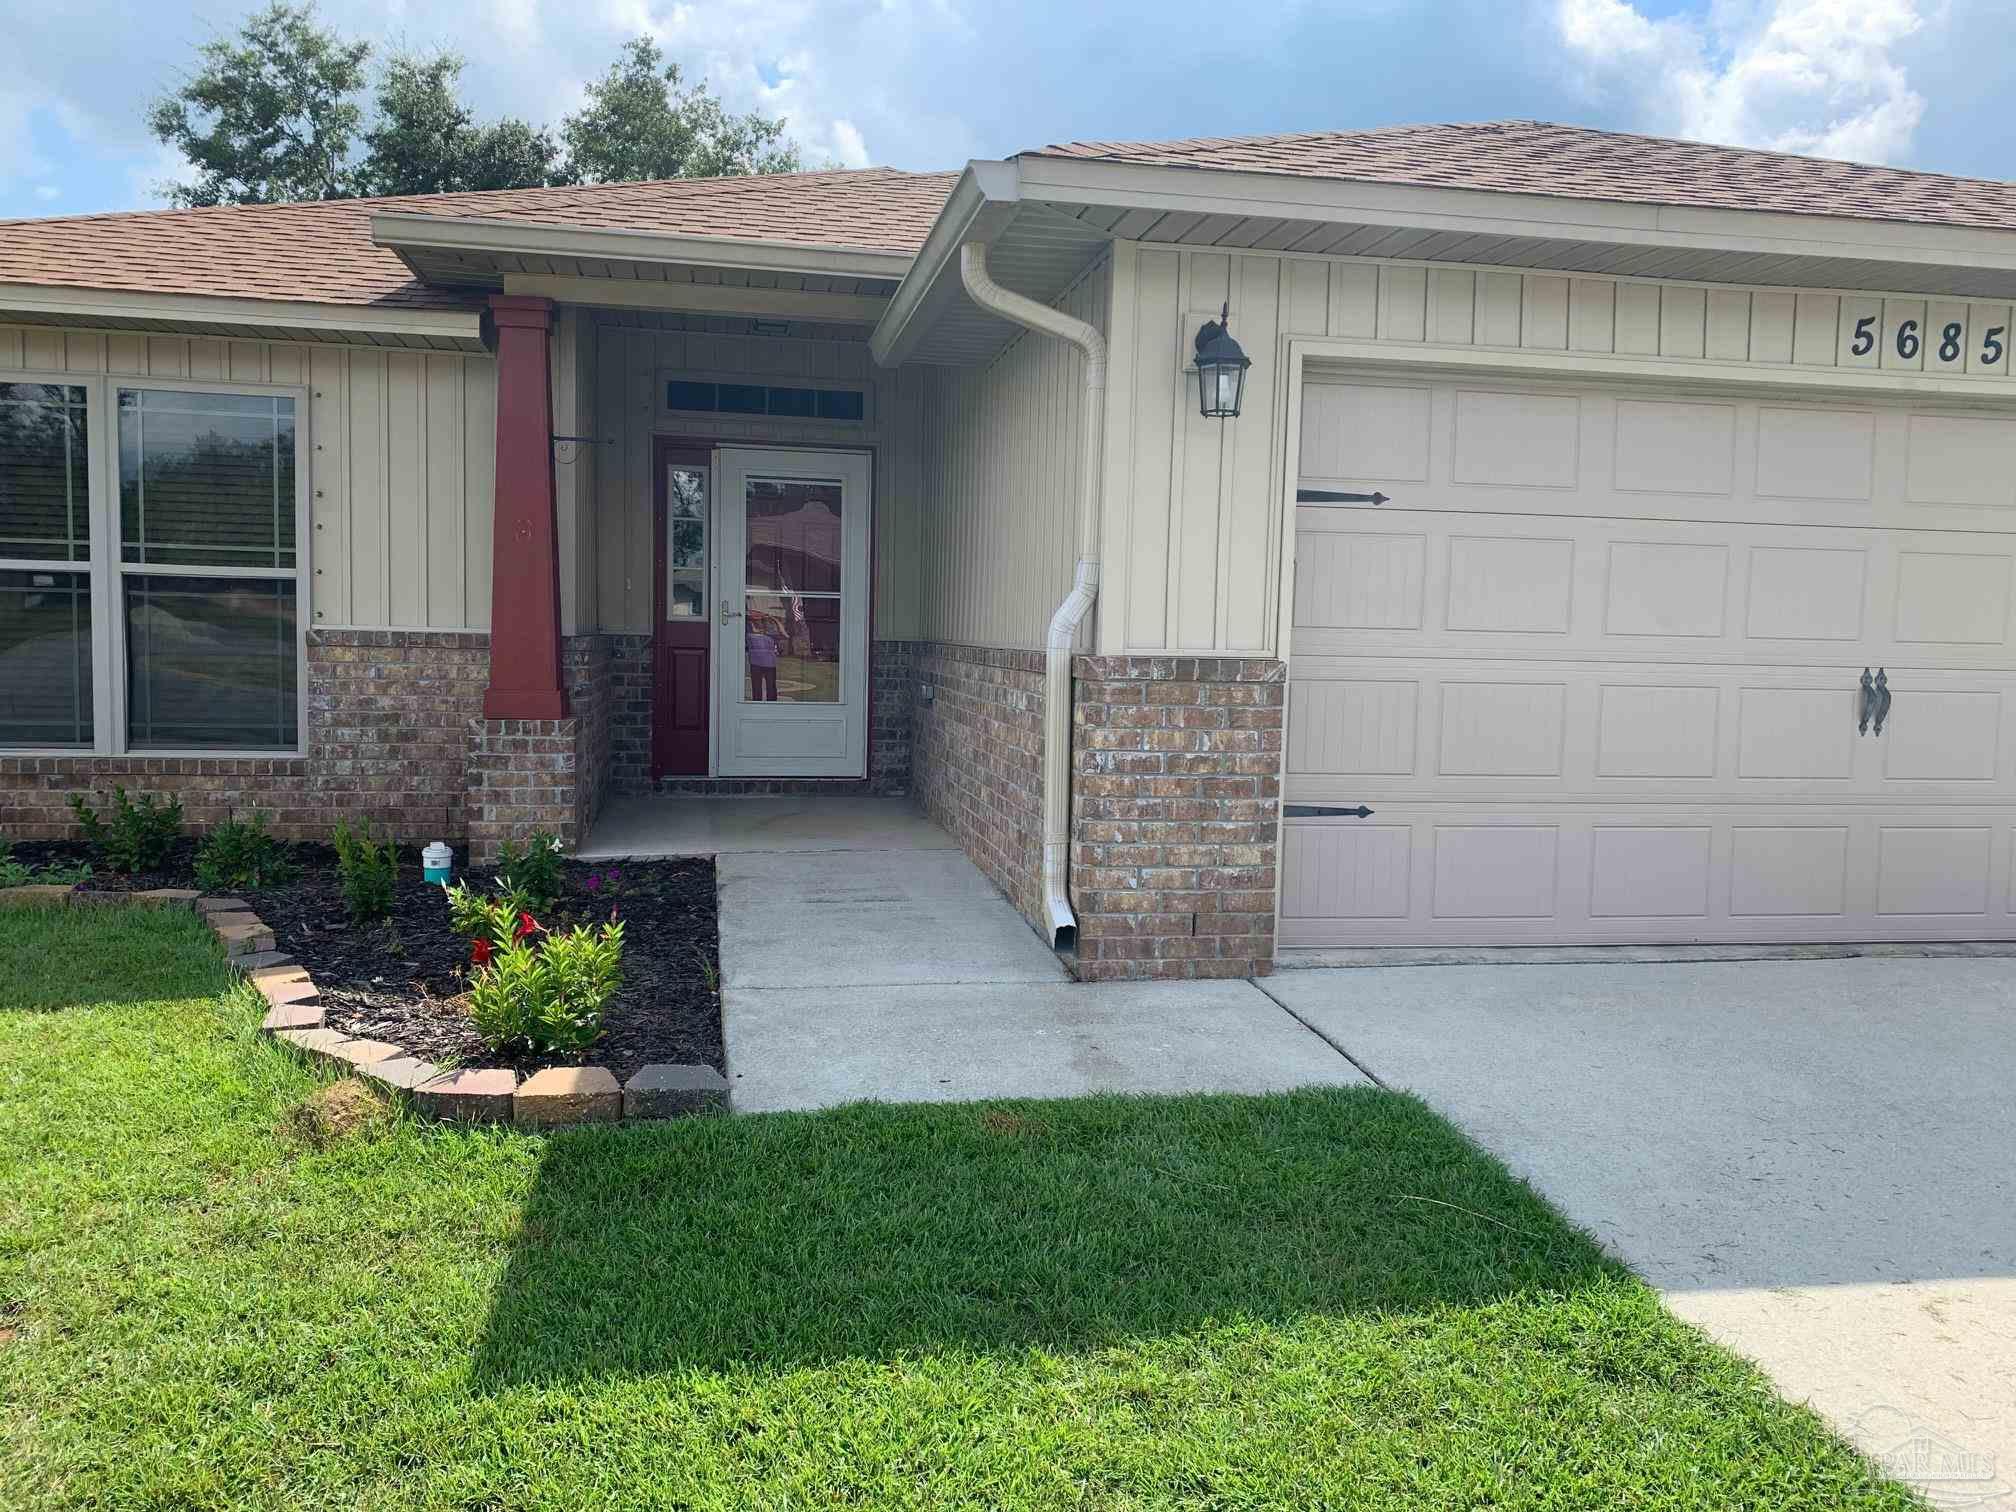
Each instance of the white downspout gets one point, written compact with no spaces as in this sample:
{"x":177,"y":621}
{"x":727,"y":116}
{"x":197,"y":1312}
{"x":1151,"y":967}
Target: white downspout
{"x":1078,"y":602}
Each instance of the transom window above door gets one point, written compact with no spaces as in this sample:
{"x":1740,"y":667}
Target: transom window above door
{"x":149,"y":568}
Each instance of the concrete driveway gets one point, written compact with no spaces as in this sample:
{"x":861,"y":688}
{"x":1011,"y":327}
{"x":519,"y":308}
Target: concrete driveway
{"x":1815,"y":1161}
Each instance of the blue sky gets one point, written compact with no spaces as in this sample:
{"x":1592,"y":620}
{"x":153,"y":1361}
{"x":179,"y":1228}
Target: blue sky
{"x":930,"y":83}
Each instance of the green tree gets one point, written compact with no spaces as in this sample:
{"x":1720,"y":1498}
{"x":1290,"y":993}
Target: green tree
{"x":425,"y":140}
{"x":275,"y":114}
{"x":269,"y":116}
{"x":640,"y":124}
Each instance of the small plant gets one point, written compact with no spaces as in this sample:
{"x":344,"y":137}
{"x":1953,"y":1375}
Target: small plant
{"x":597,"y":881}
{"x":532,"y":870}
{"x":367,"y":869}
{"x":137,"y":837}
{"x":239,"y":853}
{"x":20,"y":874}
{"x":532,"y":986}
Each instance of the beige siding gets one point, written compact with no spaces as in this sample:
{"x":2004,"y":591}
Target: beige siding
{"x":400,"y":449}
{"x":574,"y":464}
{"x":1192,"y":524}
{"x":1001,"y":484}
{"x":627,"y":355}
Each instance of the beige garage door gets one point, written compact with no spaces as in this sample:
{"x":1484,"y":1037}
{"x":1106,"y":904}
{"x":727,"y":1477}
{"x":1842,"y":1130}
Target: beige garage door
{"x":1596,"y":666}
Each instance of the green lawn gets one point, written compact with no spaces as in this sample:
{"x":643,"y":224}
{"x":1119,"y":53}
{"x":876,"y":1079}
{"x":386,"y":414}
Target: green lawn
{"x":1203,"y":1302}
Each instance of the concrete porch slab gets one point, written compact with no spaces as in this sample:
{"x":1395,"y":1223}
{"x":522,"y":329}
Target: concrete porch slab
{"x":870,"y":918}
{"x":817,"y":1048}
{"x":681,"y":825}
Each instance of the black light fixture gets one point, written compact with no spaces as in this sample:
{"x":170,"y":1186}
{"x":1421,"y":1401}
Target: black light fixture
{"x":1221,"y":368}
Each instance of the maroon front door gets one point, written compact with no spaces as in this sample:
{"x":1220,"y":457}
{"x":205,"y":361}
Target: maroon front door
{"x":680,"y":626}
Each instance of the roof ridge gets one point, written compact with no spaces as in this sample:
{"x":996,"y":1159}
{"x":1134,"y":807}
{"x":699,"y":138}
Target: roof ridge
{"x":1175,"y":146}
{"x":558,"y":192}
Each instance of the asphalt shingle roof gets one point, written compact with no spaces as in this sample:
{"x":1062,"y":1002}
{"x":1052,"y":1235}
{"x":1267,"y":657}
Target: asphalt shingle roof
{"x":320,"y":250}
{"x":1536,"y":157}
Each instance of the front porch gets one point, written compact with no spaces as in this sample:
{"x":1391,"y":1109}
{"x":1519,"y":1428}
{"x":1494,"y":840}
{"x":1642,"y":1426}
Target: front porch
{"x":659,"y":825}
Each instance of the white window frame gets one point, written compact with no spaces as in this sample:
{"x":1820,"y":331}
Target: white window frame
{"x":108,"y":570}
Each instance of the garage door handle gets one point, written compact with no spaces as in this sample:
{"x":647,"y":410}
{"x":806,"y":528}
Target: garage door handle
{"x":1318,"y":811}
{"x":1882,"y":699}
{"x":1868,"y":703}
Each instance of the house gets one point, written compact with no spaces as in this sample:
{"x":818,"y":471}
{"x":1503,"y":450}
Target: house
{"x":1613,"y":542}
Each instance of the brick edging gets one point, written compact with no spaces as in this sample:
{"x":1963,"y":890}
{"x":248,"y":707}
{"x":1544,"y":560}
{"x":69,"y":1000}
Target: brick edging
{"x":559,"y":1097}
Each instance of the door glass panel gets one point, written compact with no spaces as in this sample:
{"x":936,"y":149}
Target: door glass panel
{"x":791,"y":625}
{"x":685,"y":542}
{"x":794,"y":535}
{"x":792,"y":649}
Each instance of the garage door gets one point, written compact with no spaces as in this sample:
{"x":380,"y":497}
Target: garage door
{"x":1595,"y":669}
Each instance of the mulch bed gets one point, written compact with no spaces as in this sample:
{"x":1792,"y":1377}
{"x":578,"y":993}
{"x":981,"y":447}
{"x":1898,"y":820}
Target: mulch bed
{"x":180,"y":870}
{"x":402,"y":981}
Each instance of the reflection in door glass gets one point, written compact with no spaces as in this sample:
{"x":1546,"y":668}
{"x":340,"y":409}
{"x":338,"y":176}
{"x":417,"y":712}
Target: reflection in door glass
{"x":794,"y":535}
{"x":685,"y":542}
{"x":792,"y":649}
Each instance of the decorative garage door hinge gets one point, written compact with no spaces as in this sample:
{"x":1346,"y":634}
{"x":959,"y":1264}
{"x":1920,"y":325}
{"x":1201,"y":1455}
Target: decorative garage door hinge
{"x":1331,"y":496}
{"x":1317,"y":811}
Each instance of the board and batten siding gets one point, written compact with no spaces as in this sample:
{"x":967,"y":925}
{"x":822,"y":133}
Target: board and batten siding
{"x":400,"y":449}
{"x":1001,"y":483}
{"x":633,"y":353}
{"x":1193,"y":526}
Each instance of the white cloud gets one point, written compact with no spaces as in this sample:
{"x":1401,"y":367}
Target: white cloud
{"x":46,"y":192}
{"x":1812,"y":76}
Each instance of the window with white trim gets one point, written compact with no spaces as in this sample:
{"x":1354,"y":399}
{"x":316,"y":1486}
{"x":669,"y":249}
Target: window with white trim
{"x":150,"y":568}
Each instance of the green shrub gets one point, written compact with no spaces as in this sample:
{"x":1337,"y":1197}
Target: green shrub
{"x":367,"y":868}
{"x":532,"y":871}
{"x":239,"y":853}
{"x":137,"y":837}
{"x":532,"y":986}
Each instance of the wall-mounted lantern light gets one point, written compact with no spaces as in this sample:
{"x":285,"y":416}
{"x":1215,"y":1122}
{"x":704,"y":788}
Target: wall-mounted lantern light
{"x":1221,"y":369}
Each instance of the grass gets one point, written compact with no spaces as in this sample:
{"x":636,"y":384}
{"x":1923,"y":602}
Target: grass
{"x":1214,"y":1302}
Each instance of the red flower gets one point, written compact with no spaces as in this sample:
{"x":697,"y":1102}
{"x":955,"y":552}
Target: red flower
{"x":526,"y":924}
{"x":479,"y":951}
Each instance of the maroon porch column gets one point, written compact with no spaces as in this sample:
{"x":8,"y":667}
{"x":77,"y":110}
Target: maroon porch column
{"x":525,"y":549}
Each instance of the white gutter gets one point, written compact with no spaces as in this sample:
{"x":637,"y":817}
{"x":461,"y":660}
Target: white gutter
{"x":1077,"y":604}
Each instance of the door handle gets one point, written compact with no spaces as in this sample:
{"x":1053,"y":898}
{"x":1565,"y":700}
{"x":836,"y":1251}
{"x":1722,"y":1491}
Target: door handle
{"x":727,"y":614}
{"x":1882,"y":691}
{"x":1868,"y":702}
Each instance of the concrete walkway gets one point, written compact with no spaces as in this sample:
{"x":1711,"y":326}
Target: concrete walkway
{"x":1814,"y":1161}
{"x":864,"y":956}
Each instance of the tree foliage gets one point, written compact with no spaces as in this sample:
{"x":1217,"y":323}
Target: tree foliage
{"x":278,"y":113}
{"x":270,"y":116}
{"x":426,"y":140}
{"x":640,"y":124}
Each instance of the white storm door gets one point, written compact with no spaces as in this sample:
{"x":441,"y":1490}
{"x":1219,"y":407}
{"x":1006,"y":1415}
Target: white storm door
{"x":791,"y":641}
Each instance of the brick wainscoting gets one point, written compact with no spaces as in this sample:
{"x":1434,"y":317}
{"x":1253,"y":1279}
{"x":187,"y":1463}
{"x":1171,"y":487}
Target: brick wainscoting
{"x":1175,"y":795}
{"x":977,"y":759}
{"x":387,"y":716}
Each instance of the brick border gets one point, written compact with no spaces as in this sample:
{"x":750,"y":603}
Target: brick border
{"x":556,"y":1098}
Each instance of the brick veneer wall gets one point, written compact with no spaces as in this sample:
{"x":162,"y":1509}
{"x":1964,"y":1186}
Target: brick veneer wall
{"x":522,"y":778}
{"x":1176,"y":790}
{"x":629,"y":696}
{"x":387,"y":715}
{"x":587,"y":665}
{"x":977,"y":759}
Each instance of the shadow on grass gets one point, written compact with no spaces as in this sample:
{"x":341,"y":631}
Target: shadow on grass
{"x":793,"y":1239}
